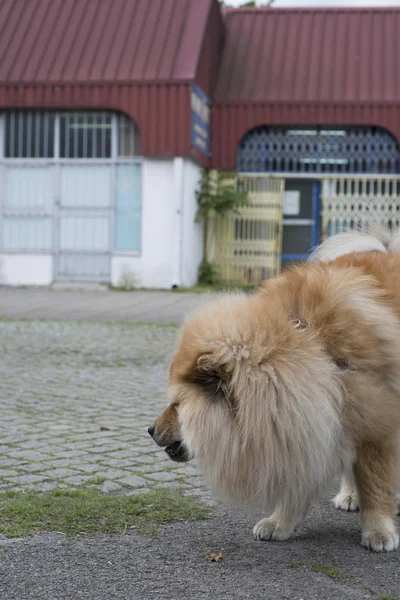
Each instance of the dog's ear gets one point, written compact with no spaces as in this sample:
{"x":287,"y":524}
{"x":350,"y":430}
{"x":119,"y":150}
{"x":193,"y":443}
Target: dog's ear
{"x":211,"y":375}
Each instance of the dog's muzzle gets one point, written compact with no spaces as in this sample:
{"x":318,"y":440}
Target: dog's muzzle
{"x":178,"y":452}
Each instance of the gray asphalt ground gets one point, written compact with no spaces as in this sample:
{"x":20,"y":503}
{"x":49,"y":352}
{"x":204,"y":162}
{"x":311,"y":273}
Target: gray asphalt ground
{"x":173,"y":565}
{"x":60,"y":383}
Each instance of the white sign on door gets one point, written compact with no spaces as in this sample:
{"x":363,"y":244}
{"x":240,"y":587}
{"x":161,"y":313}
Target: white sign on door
{"x":291,"y":203}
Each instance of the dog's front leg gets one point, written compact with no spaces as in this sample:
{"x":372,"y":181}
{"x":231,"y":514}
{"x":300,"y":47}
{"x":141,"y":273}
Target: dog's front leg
{"x":375,"y":477}
{"x":281,"y":525}
{"x":347,"y":497}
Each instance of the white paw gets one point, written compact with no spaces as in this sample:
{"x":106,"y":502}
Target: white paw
{"x":378,"y":540}
{"x":270,"y":529}
{"x":347,"y":501}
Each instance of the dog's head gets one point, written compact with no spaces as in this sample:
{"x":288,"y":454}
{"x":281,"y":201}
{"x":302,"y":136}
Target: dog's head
{"x":200,"y":383}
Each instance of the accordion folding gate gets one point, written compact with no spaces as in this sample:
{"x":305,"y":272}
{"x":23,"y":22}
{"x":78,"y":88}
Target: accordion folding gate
{"x":245,"y":246}
{"x":353,"y":202}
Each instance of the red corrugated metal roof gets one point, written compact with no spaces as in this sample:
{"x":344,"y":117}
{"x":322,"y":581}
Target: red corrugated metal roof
{"x":333,"y":55}
{"x":43,"y":41}
{"x":136,"y":56}
{"x":279,"y":66}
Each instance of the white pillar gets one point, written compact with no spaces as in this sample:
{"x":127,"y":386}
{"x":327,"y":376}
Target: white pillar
{"x":177,"y":231}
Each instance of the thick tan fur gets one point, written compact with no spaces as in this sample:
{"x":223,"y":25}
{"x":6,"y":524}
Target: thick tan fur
{"x":277,"y":393}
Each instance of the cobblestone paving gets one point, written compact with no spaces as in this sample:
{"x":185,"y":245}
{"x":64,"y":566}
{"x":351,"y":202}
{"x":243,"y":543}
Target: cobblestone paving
{"x":76,"y":399}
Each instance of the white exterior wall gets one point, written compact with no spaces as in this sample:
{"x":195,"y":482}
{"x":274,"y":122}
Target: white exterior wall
{"x":152,"y":267}
{"x":26,"y":269}
{"x":172,"y":242}
{"x":157,"y":224}
{"x":126,"y":271}
{"x":192,"y":243}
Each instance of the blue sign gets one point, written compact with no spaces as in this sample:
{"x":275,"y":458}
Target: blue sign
{"x":200,"y":120}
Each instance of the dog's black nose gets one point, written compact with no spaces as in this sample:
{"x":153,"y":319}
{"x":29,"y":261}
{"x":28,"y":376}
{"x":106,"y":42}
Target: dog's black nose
{"x":151,"y":430}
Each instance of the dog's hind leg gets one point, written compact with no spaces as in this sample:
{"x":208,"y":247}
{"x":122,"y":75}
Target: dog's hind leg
{"x":347,"y":497}
{"x":375,"y":477}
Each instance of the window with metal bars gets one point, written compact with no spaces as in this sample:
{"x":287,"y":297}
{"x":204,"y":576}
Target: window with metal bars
{"x":85,"y":135}
{"x":128,"y":137}
{"x":69,"y":135}
{"x":29,"y":134}
{"x":319,"y":150}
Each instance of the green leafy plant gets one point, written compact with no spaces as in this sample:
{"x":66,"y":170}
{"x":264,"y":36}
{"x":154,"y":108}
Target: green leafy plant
{"x":216,"y":194}
{"x":208,"y":274}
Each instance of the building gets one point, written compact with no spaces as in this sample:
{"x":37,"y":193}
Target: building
{"x":109,"y":110}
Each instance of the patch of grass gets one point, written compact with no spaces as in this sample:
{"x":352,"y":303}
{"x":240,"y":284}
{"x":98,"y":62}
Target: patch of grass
{"x":204,"y":289}
{"x":87,"y":511}
{"x":387,"y":597}
{"x":96,"y":481}
{"x":294,"y":564}
{"x":196,"y":289}
{"x":330,"y":571}
{"x":169,"y":469}
{"x":122,"y":325}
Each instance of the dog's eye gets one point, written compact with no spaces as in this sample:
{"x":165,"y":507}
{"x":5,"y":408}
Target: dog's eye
{"x":174,"y":404}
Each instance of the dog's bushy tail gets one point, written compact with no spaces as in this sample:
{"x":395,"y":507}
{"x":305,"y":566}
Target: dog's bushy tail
{"x":375,"y":237}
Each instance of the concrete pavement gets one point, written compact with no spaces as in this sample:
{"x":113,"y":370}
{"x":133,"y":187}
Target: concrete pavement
{"x":98,"y":304}
{"x":76,"y":401}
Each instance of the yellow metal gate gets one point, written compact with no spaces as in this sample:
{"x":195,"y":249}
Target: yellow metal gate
{"x":352,"y":202}
{"x":246,"y":246}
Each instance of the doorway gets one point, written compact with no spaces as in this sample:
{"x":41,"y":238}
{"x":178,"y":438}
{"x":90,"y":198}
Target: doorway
{"x":301,"y":219}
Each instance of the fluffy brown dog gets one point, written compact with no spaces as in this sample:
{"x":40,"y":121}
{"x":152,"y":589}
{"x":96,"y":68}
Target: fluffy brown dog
{"x":277,"y":393}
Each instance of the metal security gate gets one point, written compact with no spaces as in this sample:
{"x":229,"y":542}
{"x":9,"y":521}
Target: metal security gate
{"x":354,"y":202}
{"x":70,"y":186}
{"x":246,"y":247}
{"x":84,"y":223}
{"x":27,"y":215}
